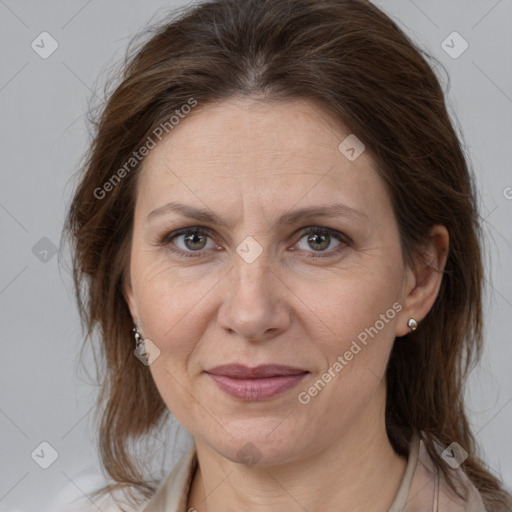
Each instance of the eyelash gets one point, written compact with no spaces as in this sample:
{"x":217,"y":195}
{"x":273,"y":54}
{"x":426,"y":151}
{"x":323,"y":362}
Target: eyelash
{"x":340,"y":237}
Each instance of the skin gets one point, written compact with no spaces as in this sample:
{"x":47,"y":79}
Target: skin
{"x":249,"y":162}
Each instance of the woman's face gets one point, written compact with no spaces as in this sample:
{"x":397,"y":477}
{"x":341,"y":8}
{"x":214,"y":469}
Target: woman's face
{"x":253,"y":288}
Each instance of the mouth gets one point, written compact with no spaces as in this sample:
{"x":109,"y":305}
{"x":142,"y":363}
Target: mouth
{"x":259,"y":383}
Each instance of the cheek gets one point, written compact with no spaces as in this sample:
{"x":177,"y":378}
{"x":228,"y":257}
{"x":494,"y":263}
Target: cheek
{"x":355,"y":349}
{"x":168,"y":305}
{"x":356,"y":332}
{"x":170,"y":313}
{"x":347,"y":305}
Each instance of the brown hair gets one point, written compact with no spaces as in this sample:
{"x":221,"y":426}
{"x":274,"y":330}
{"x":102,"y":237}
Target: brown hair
{"x":352,"y":59}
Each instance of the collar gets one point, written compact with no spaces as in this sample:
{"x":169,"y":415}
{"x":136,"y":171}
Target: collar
{"x":422,"y":489}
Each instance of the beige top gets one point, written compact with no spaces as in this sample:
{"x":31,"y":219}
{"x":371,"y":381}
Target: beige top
{"x":423,"y":487}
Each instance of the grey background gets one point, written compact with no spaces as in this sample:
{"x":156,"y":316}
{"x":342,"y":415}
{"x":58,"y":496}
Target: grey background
{"x":43,"y":397}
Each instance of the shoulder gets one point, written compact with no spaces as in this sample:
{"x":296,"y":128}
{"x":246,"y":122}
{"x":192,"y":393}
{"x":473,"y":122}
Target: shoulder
{"x":430,"y":490}
{"x":105,"y":504}
{"x":77,"y":497}
{"x":172,"y":493}
{"x":169,"y":496}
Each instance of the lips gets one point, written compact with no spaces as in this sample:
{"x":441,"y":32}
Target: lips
{"x":260,"y":383}
{"x":237,"y":371}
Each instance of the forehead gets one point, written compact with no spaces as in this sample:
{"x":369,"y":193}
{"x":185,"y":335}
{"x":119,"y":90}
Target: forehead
{"x":242,"y":150}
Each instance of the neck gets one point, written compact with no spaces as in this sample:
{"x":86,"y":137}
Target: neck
{"x":359,"y":472}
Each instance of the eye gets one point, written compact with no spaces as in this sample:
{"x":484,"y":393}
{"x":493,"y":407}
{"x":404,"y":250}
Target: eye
{"x":319,"y":239}
{"x":193,"y":242}
{"x":188,"y":241}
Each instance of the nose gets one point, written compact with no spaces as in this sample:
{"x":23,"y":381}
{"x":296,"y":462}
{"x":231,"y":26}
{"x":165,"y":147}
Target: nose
{"x":254,"y":305}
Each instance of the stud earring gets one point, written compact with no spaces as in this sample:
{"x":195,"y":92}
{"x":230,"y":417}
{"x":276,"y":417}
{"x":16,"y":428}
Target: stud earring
{"x":412,"y":323}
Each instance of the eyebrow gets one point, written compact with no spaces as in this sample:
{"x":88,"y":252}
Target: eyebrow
{"x":289,"y":218}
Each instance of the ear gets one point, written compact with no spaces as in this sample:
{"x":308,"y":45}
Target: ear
{"x":422,"y":282}
{"x":130,"y":298}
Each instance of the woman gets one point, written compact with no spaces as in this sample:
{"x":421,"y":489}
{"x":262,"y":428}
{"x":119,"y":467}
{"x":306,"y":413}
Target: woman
{"x":278,"y":210}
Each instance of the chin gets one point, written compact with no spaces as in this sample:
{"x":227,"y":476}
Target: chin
{"x":258,"y":445}
{"x":252,"y":453}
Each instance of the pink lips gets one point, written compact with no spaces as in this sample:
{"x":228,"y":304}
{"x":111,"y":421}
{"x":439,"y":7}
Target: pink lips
{"x":260,"y":383}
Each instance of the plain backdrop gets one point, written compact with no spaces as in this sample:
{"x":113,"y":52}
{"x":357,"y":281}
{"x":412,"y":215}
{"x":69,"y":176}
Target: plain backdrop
{"x":44,"y":398}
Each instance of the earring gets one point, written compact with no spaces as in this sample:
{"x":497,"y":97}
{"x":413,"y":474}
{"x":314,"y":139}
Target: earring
{"x":412,"y":323}
{"x":140,"y":345}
